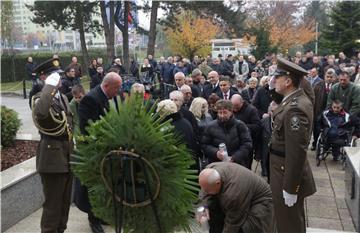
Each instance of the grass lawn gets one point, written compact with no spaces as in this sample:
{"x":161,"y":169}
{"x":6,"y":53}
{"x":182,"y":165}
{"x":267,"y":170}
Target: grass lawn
{"x":18,"y":85}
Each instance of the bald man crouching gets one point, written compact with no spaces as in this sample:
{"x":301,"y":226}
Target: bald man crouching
{"x":237,"y":199}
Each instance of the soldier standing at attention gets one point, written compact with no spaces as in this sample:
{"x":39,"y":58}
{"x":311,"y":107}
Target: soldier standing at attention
{"x":291,"y":178}
{"x":52,"y":116}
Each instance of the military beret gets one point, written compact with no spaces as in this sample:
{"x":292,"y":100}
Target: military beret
{"x":285,"y":67}
{"x":49,"y":66}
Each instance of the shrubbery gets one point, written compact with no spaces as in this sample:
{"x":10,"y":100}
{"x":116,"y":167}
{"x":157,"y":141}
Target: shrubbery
{"x":39,"y":57}
{"x":10,"y":124}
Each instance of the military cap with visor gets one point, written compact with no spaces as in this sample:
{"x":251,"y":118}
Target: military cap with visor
{"x":49,"y":66}
{"x":288,"y":68}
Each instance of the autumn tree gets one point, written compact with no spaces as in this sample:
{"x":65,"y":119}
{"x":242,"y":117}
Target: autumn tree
{"x":192,"y":36}
{"x":278,"y":18}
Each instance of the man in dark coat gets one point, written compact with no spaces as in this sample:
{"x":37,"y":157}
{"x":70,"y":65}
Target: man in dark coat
{"x":226,"y":91}
{"x":97,"y":78}
{"x":291,"y":178}
{"x":92,"y":108}
{"x":55,"y":147}
{"x":67,"y":82}
{"x":77,"y":67}
{"x":237,"y":200}
{"x":228,"y":67}
{"x":213,"y":86}
{"x":226,"y":129}
{"x":248,"y":114}
{"x":166,"y":72}
{"x":262,"y":100}
{"x":29,"y":67}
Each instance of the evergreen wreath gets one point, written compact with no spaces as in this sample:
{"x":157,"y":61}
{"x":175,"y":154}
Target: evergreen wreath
{"x":137,"y":128}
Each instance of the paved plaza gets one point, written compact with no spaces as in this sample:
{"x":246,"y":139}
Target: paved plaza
{"x":326,"y":210}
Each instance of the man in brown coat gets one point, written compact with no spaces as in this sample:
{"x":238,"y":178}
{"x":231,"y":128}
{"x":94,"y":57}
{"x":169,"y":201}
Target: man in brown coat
{"x":237,"y":199}
{"x":321,"y":90}
{"x":52,"y":116}
{"x":291,"y":179}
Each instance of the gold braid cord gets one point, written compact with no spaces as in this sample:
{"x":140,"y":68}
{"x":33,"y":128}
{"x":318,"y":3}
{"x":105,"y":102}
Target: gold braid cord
{"x":62,"y":122}
{"x":146,"y":163}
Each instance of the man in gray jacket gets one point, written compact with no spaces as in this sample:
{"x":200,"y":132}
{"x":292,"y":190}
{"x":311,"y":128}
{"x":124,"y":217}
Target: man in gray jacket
{"x":241,"y":68}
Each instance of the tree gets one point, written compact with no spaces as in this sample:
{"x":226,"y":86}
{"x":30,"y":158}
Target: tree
{"x":229,"y":16}
{"x":122,"y":14}
{"x":343,"y":31}
{"x":8,"y":30}
{"x":152,"y":32}
{"x":109,"y":28}
{"x":278,"y":18}
{"x":263,"y":43}
{"x":193,"y":35}
{"x":73,"y":15}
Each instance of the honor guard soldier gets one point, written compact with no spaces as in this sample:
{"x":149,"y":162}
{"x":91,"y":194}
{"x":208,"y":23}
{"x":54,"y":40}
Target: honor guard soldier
{"x":291,"y":178}
{"x":52,"y":116}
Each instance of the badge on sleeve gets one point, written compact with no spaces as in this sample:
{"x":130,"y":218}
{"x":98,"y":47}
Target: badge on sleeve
{"x":295,"y":123}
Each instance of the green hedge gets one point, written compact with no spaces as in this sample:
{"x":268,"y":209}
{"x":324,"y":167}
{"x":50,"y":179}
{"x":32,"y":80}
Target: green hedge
{"x":10,"y":124}
{"x":7,"y":69}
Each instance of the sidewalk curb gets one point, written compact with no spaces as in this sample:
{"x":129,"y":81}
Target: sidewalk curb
{"x":11,"y":94}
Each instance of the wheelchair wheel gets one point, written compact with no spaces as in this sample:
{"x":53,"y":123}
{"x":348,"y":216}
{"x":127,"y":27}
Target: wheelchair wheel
{"x":319,"y":151}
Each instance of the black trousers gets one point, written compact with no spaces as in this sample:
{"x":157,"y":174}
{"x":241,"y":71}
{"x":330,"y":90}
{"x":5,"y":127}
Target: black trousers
{"x":57,"y":193}
{"x":216,"y":221}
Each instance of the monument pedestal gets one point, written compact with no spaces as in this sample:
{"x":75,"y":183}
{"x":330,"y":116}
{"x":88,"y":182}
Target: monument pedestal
{"x":352,"y":183}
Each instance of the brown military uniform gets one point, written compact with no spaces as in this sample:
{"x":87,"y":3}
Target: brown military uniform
{"x":289,"y":167}
{"x":53,"y":156}
{"x":52,"y":162}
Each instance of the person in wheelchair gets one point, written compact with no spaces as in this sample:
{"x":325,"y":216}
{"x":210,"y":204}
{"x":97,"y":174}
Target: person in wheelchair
{"x":338,"y":127}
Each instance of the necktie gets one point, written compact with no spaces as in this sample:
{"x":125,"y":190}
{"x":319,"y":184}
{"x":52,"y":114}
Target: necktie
{"x":225,"y":96}
{"x":327,"y":88}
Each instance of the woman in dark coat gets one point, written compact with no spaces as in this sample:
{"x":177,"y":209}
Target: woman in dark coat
{"x":97,"y":78}
{"x":182,"y":127}
{"x":92,"y":67}
{"x":146,"y":72}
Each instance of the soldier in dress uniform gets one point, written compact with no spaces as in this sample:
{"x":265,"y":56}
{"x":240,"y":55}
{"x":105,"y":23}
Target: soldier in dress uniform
{"x":291,"y":178}
{"x":52,"y":116}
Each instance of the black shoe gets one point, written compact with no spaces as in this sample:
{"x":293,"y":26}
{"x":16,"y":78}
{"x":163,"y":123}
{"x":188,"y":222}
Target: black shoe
{"x":336,"y":158}
{"x":96,"y":228}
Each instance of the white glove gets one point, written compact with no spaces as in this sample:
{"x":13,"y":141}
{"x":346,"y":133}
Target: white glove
{"x":290,"y":199}
{"x":272,"y":83}
{"x":53,"y":79}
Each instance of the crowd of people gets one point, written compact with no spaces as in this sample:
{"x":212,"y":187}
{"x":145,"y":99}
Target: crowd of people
{"x":224,"y":110}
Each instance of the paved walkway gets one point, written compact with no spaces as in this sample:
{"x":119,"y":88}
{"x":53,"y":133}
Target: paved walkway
{"x":326,"y":210}
{"x":27,"y":130}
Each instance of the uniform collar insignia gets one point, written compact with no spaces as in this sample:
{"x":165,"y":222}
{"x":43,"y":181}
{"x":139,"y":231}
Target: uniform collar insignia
{"x":294,"y":102}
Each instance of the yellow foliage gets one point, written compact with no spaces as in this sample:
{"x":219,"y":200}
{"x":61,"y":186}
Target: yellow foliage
{"x":192,"y":36}
{"x":287,"y":35}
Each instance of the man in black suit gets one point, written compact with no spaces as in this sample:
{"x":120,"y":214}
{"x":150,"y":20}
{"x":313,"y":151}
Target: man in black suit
{"x":91,"y":107}
{"x":225,"y":92}
{"x":213,"y":86}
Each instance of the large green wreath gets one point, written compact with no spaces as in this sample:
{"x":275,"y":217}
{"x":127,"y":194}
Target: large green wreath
{"x":138,"y":129}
